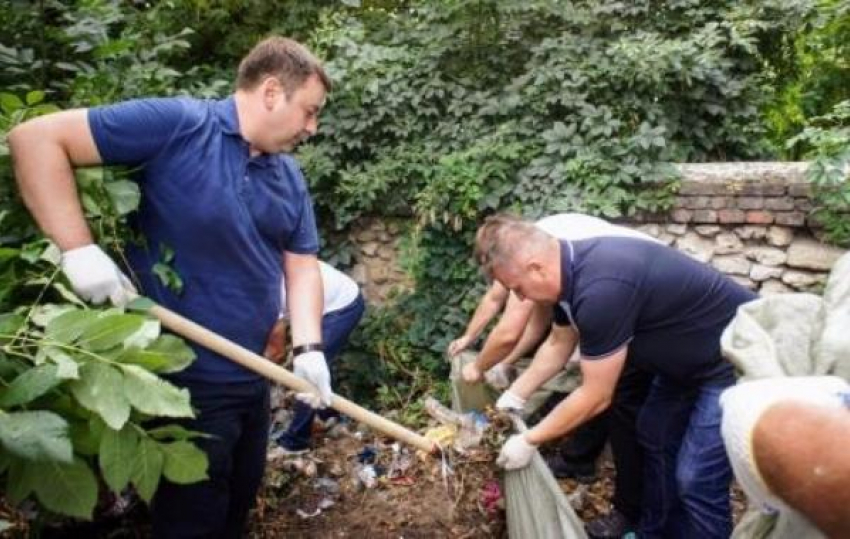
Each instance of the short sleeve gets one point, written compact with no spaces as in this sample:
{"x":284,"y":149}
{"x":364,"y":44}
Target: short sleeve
{"x":606,"y":315}
{"x":134,"y":132}
{"x":305,"y":237}
{"x":560,"y":317}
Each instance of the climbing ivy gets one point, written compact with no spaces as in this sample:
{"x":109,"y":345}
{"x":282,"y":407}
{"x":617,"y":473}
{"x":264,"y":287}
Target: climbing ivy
{"x":445,"y":111}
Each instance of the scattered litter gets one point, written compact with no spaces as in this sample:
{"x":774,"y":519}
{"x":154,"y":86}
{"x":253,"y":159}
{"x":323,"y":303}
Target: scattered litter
{"x":304,"y":514}
{"x":367,"y":476}
{"x":367,"y":456}
{"x":491,"y":498}
{"x":326,"y":485}
{"x":403,"y":480}
{"x":444,"y":435}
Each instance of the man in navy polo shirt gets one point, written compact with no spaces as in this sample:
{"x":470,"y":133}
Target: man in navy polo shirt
{"x":219,"y":190}
{"x":622,"y":299}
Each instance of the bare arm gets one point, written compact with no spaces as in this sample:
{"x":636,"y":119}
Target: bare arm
{"x":489,"y":306}
{"x":549,"y":360}
{"x":592,"y":397}
{"x":304,"y":296}
{"x":506,"y":334}
{"x":45,"y":150}
{"x":538,"y":325}
{"x":801,"y":453}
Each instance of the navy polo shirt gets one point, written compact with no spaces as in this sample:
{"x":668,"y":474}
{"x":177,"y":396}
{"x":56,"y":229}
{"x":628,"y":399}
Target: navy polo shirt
{"x":667,"y":307}
{"x":227,"y":216}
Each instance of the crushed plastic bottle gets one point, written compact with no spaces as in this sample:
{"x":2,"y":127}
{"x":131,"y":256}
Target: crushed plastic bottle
{"x":441,"y":413}
{"x":470,"y":426}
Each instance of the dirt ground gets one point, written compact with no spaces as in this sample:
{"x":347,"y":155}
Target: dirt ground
{"x":325,"y":495}
{"x":298,"y":500}
{"x":356,"y":485}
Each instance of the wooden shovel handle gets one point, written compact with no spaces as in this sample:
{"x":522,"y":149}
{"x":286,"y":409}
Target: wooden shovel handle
{"x":201,"y":335}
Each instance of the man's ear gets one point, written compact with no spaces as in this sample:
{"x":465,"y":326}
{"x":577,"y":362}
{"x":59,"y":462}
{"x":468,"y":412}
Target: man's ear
{"x":271,"y":90}
{"x":534,"y":267}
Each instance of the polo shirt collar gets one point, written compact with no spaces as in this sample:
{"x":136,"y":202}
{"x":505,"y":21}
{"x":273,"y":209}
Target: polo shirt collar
{"x":567,"y":265}
{"x":229,"y":121}
{"x":226,"y":111}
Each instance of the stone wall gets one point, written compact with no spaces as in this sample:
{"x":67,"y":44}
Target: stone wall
{"x":749,"y":220}
{"x":377,"y":248}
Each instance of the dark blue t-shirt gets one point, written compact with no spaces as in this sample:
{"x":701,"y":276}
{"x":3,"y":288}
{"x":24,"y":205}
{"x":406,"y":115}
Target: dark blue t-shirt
{"x":668,"y":308}
{"x":228,"y":217}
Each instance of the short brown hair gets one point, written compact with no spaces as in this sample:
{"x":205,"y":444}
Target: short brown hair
{"x":283,"y":58}
{"x":503,"y":235}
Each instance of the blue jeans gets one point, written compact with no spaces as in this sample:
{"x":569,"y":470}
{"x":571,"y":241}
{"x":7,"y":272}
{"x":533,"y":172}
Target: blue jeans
{"x":687,"y":472}
{"x":336,"y":327}
{"x":236,"y":416}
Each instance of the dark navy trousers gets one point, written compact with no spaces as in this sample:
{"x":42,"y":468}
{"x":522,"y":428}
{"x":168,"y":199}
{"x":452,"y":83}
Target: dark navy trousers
{"x":236,"y":417}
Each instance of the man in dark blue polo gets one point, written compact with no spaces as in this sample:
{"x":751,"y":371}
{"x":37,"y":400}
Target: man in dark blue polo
{"x":218,"y":190}
{"x":622,"y":299}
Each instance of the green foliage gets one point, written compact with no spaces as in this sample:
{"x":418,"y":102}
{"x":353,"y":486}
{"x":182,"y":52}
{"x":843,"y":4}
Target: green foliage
{"x":444,"y":111}
{"x":78,"y":386}
{"x":827,"y":144}
{"x":807,"y":68}
{"x":458,"y":109}
{"x":71,"y":390}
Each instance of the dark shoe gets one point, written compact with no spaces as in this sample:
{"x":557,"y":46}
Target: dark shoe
{"x":614,"y":525}
{"x":286,"y":447}
{"x":583,"y":472}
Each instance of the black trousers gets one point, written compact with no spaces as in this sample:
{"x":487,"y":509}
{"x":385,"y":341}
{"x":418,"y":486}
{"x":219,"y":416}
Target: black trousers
{"x":617,"y":424}
{"x":236,"y":416}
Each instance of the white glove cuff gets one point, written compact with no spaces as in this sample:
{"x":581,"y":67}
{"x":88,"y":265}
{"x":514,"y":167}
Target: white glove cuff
{"x":86,"y":251}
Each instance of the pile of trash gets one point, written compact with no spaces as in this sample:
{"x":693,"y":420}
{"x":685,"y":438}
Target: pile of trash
{"x":355,"y":483}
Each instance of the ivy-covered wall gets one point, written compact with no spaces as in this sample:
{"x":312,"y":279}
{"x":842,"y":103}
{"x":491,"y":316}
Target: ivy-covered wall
{"x":751,"y":221}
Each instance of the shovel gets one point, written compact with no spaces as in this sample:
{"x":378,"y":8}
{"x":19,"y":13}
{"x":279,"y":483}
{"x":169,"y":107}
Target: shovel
{"x":262,"y":366}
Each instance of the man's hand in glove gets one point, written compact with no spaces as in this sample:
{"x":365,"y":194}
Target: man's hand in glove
{"x":95,"y":277}
{"x":510,"y":402}
{"x":311,"y":366}
{"x":516,"y":453}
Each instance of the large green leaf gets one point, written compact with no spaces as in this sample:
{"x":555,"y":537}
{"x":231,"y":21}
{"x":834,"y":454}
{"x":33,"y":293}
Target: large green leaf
{"x":101,"y":390}
{"x":124,"y":194}
{"x":110,"y":331}
{"x":67,"y":327}
{"x":175,"y":432}
{"x":10,"y":323}
{"x":86,"y":435}
{"x":67,"y":488}
{"x":146,"y":468}
{"x":154,"y":396}
{"x":166,"y":354}
{"x":36,"y":435}
{"x":146,"y":335}
{"x":117,"y":450}
{"x":30,"y":385}
{"x":184,"y":462}
{"x":44,"y":314}
{"x":21,"y":479}
{"x":67,"y":367}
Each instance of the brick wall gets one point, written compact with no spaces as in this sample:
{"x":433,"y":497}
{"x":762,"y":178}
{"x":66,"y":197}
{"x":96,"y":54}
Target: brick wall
{"x":749,"y":220}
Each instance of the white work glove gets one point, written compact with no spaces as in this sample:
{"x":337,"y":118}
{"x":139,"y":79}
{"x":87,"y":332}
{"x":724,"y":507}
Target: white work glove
{"x":95,"y":277}
{"x":311,"y":366}
{"x":743,"y":406}
{"x":498,"y":376}
{"x":510,"y":402}
{"x":516,"y":453}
